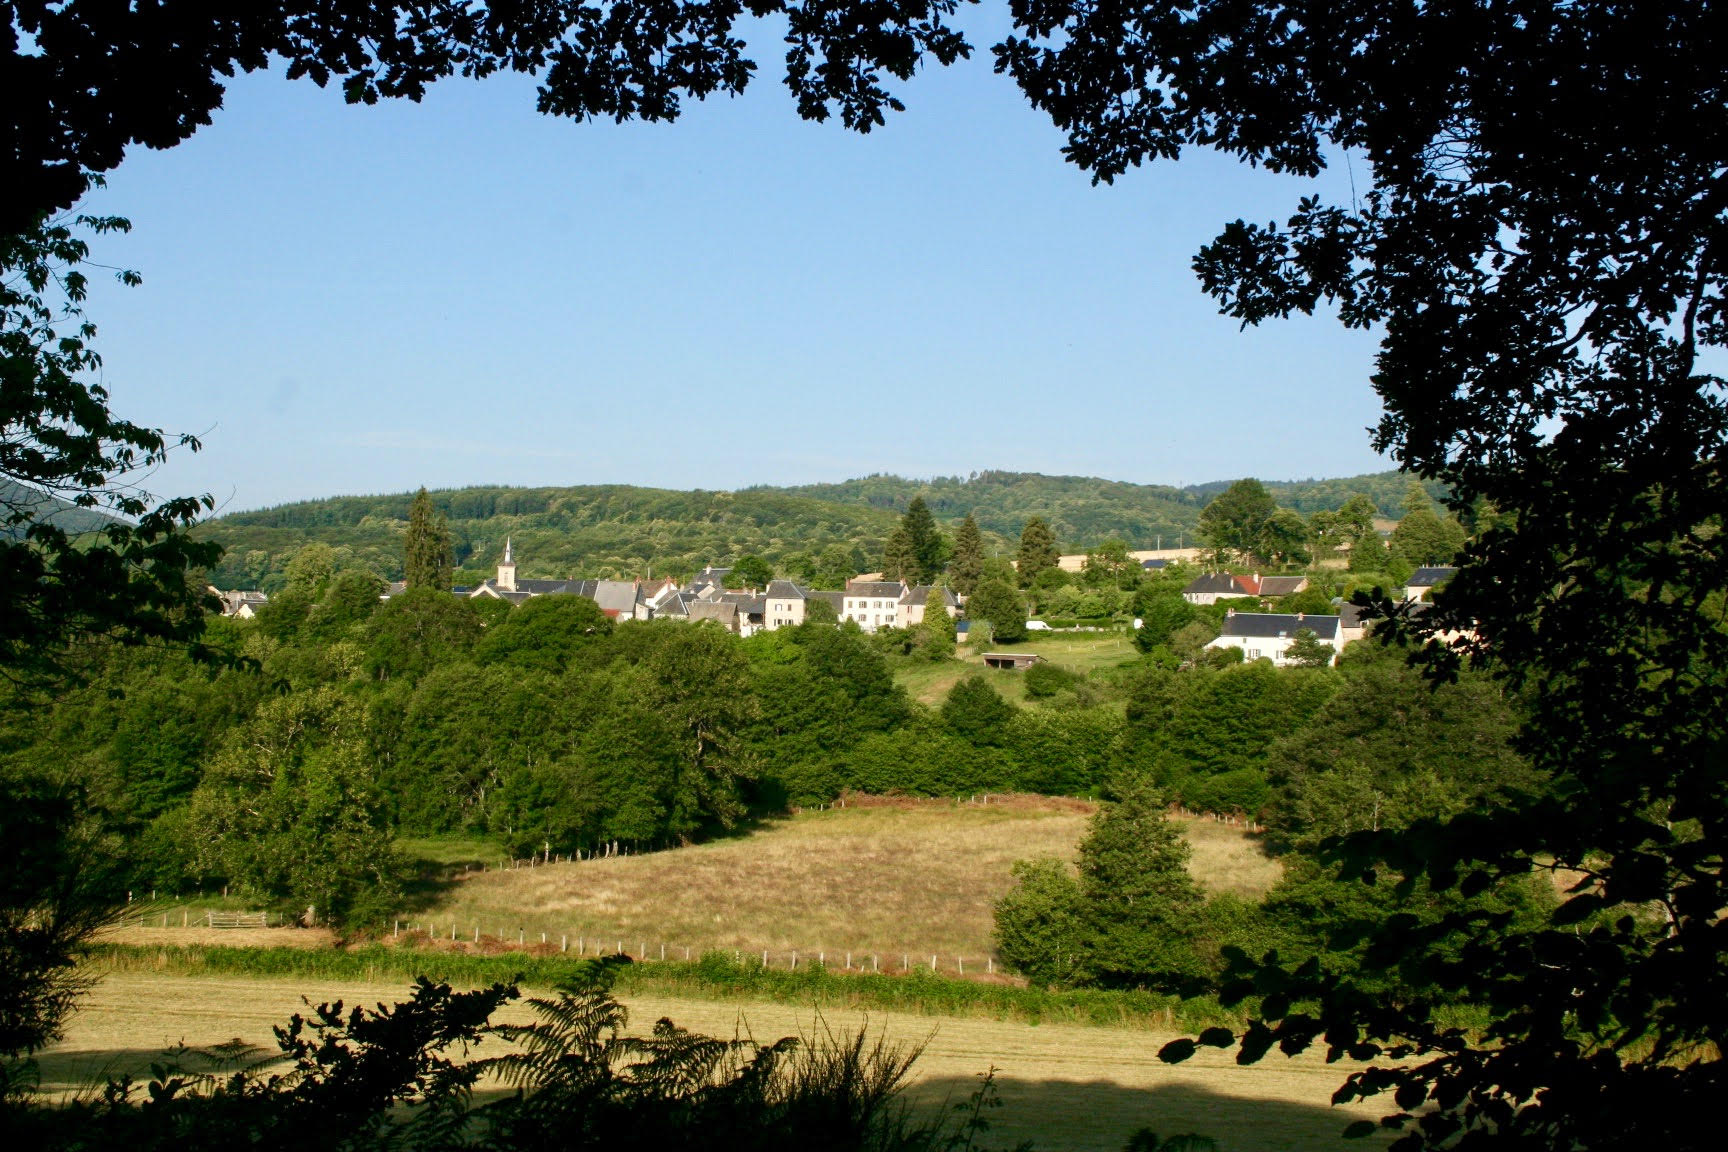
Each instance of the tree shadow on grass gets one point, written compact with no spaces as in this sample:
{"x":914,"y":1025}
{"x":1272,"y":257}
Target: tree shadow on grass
{"x":1052,"y":1114}
{"x":1086,"y":1115}
{"x":65,"y":1074}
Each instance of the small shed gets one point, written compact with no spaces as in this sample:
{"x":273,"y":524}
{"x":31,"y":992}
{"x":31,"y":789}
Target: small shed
{"x":1016,"y":660}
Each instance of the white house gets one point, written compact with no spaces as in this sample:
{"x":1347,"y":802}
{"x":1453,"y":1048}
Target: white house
{"x":872,"y":604}
{"x":1216,"y":586}
{"x":1268,"y":635}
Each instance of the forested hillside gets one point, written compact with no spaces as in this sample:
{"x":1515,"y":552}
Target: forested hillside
{"x":619,"y":530}
{"x":612,"y":530}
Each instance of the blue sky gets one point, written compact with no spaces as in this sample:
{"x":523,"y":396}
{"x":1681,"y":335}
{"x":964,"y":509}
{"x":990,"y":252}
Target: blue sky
{"x":346,"y":299}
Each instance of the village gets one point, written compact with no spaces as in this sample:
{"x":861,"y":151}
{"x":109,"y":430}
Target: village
{"x":875,"y":604}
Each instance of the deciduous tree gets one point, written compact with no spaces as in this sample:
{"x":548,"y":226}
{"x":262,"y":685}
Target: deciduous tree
{"x":1235,"y":523}
{"x":998,"y":603}
{"x":1537,"y":230}
{"x":751,"y":572}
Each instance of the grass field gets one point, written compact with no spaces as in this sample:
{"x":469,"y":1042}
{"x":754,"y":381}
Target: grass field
{"x":1079,"y":652}
{"x":890,"y":878}
{"x":1063,"y":1087}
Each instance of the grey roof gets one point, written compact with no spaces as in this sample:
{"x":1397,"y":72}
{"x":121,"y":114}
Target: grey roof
{"x":547,"y":587}
{"x":836,"y":599}
{"x":710,"y":575}
{"x":1151,"y":565}
{"x":724,"y":613}
{"x":615,"y":595}
{"x":1219,"y":582}
{"x":1269,"y":625}
{"x":746,"y":602}
{"x":1429,"y":577}
{"x":1281,"y":585}
{"x":888,"y":588}
{"x":676,"y":604}
{"x":784,"y":590}
{"x":921,"y":595}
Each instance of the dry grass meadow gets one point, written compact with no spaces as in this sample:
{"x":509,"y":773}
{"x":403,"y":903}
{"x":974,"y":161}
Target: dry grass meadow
{"x":1063,"y":1087}
{"x":883,"y":877}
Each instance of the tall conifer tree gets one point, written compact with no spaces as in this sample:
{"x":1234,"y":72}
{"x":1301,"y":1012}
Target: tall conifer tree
{"x":426,"y":559}
{"x":967,"y":567}
{"x":1037,"y":551}
{"x":899,"y":561}
{"x":925,"y":539}
{"x":1141,"y":904}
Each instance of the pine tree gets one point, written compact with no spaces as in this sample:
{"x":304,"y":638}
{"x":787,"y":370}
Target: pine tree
{"x":899,"y":561}
{"x":426,"y":550}
{"x":967,"y":567}
{"x":1037,"y":551}
{"x":1140,"y":906}
{"x":925,"y":539}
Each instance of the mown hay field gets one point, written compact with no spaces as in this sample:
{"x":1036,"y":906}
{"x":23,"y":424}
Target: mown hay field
{"x":882,"y":878}
{"x":1063,"y":1087}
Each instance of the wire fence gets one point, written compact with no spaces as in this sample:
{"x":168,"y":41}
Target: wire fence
{"x":646,"y":951}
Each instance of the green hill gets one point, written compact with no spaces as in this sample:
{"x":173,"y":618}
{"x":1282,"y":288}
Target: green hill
{"x":619,"y":530}
{"x":39,"y":505}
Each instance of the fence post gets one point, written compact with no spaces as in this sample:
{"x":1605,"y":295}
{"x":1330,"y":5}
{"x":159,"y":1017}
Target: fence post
{"x":905,"y":962}
{"x":960,"y":965}
{"x":932,"y":965}
{"x":990,"y":965}
{"x":794,"y":961}
{"x":764,"y":957}
{"x":618,"y":948}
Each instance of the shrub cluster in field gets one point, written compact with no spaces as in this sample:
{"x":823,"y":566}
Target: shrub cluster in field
{"x":1128,"y":913}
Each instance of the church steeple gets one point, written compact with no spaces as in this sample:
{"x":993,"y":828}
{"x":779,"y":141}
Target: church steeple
{"x":507,"y":569}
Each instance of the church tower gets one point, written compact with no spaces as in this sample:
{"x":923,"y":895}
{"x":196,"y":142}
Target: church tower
{"x":507,"y":570}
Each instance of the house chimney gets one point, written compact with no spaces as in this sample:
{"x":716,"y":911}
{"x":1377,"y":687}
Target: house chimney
{"x":1229,"y":612}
